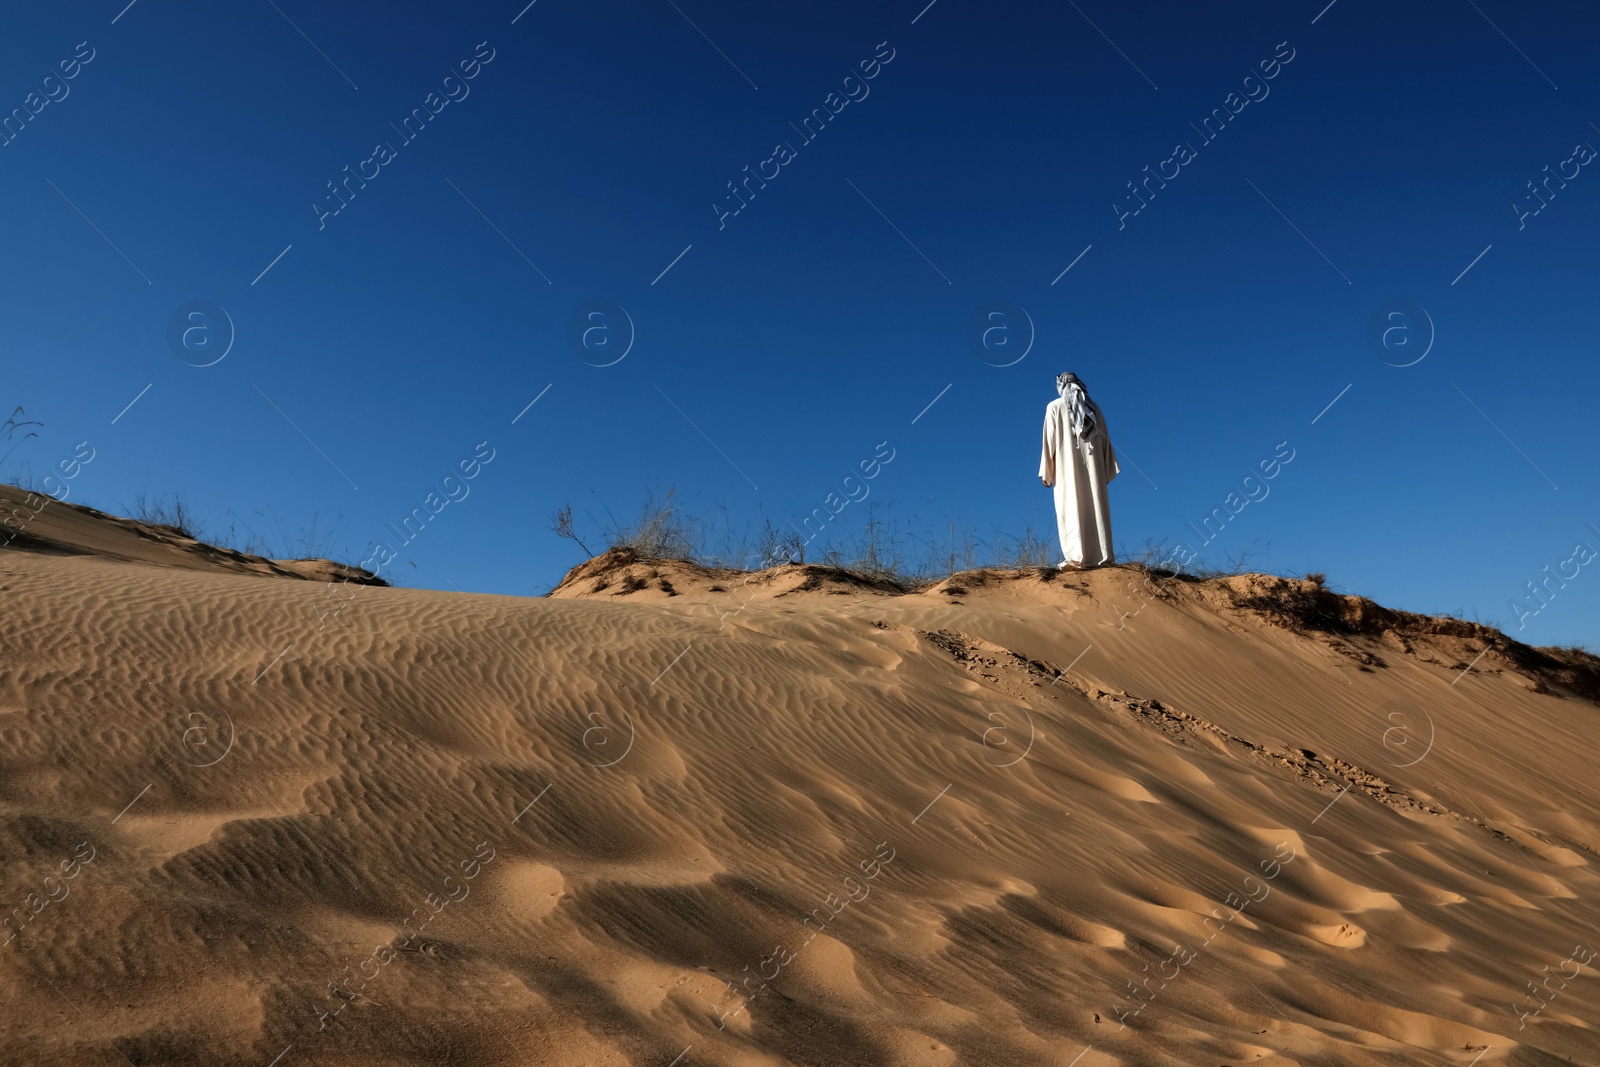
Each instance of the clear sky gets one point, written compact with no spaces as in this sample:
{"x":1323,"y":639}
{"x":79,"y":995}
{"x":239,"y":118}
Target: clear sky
{"x":961,"y":159}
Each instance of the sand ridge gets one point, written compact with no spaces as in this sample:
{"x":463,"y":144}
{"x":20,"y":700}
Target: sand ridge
{"x":1132,"y":820}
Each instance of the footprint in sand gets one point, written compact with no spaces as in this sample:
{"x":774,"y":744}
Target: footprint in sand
{"x":1344,"y":935}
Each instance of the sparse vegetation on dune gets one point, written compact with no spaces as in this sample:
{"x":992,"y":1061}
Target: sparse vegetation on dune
{"x":170,"y":512}
{"x":174,"y":514}
{"x":889,"y":558}
{"x":661,"y":531}
{"x":876,"y":548}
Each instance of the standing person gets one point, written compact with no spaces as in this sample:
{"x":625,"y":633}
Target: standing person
{"x":1078,"y":462}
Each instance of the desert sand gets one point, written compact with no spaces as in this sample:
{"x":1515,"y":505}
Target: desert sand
{"x":671,"y":816}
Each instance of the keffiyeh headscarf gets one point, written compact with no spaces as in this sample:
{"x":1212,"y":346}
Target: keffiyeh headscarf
{"x":1079,"y":413}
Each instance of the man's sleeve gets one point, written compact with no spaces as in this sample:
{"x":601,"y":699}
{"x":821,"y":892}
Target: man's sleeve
{"x":1047,"y":458}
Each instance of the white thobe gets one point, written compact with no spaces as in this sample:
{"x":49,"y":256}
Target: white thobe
{"x":1079,"y":471}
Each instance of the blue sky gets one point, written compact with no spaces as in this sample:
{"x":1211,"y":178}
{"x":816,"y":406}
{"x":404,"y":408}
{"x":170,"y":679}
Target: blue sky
{"x":773,"y":350}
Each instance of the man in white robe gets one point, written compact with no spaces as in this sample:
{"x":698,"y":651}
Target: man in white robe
{"x":1079,"y":462}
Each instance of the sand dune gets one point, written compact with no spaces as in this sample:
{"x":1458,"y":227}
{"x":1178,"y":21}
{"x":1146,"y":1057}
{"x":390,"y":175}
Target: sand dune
{"x":670,"y":815}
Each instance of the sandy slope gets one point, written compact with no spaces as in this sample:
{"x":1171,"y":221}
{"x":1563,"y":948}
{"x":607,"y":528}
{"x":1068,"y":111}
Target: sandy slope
{"x":38,"y":523}
{"x":794,"y":820}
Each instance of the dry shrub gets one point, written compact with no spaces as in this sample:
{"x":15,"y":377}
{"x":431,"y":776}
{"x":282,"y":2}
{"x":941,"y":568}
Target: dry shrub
{"x":169,"y":513}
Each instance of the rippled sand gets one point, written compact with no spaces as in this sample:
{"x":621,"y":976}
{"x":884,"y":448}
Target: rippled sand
{"x":796,"y":819}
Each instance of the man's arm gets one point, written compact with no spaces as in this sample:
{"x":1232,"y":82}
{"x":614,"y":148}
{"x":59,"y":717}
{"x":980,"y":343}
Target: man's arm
{"x":1047,"y":458}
